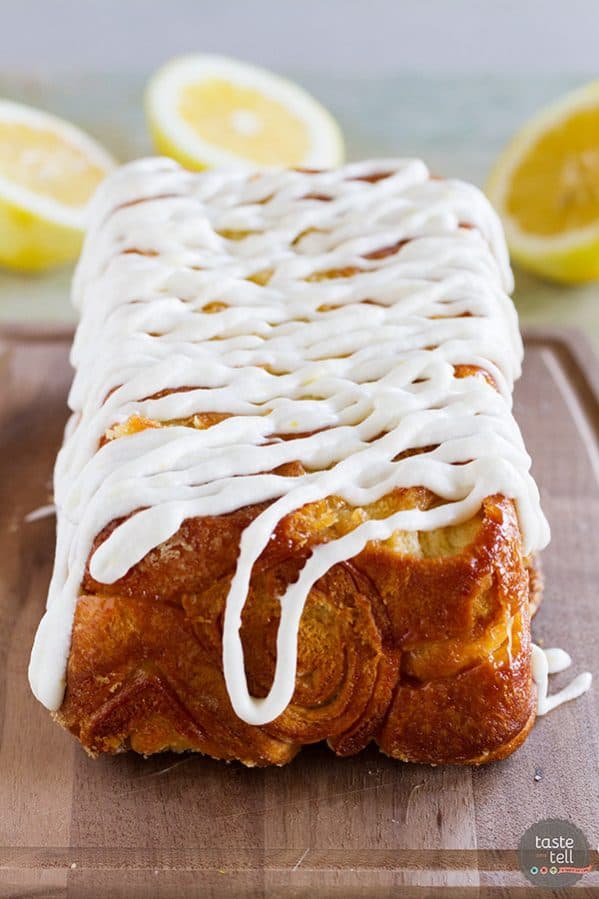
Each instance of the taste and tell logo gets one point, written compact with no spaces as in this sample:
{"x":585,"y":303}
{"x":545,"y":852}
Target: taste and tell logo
{"x":554,"y":853}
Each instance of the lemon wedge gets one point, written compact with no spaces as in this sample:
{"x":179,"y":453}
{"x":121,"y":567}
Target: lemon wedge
{"x":210,"y":111}
{"x":545,"y":187}
{"x":48,"y":171}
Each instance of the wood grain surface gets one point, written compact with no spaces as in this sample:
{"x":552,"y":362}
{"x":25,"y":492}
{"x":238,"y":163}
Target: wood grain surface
{"x":178,"y":826}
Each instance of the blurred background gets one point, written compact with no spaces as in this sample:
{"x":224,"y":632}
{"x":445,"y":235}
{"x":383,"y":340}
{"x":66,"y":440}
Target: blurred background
{"x":448,"y":81}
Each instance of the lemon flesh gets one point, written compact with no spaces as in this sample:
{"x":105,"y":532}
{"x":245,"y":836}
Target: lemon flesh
{"x":44,"y":163}
{"x":546,"y":188}
{"x":210,"y":111}
{"x":244,"y":121}
{"x":48,"y":172}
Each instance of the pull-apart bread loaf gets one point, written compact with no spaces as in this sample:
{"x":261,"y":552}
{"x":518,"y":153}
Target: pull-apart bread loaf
{"x":293,"y":504}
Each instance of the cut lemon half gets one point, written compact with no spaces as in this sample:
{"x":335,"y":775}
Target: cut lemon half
{"x":545,"y":187}
{"x":48,"y":171}
{"x":210,"y":111}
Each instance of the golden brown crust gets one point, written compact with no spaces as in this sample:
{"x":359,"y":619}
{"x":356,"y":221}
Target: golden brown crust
{"x":421,"y":643}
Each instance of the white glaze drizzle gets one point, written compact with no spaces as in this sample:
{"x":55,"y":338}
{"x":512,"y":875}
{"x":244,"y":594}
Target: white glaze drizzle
{"x":551,"y":661}
{"x":41,"y":512}
{"x":368,"y":379}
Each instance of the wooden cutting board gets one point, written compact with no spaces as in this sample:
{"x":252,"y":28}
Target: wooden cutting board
{"x":189,"y":826}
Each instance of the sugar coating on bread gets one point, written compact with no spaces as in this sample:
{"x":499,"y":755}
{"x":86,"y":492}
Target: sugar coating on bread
{"x":334,"y":351}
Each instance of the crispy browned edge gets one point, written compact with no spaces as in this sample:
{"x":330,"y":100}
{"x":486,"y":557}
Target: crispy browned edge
{"x":428,"y":656}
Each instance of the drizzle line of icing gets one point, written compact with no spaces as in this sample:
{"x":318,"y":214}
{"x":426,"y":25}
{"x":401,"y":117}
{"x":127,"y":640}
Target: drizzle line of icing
{"x":552,"y":661}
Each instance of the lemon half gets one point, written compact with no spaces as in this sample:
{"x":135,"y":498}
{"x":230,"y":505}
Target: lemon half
{"x":48,"y":171}
{"x":545,"y":187}
{"x":211,"y":111}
